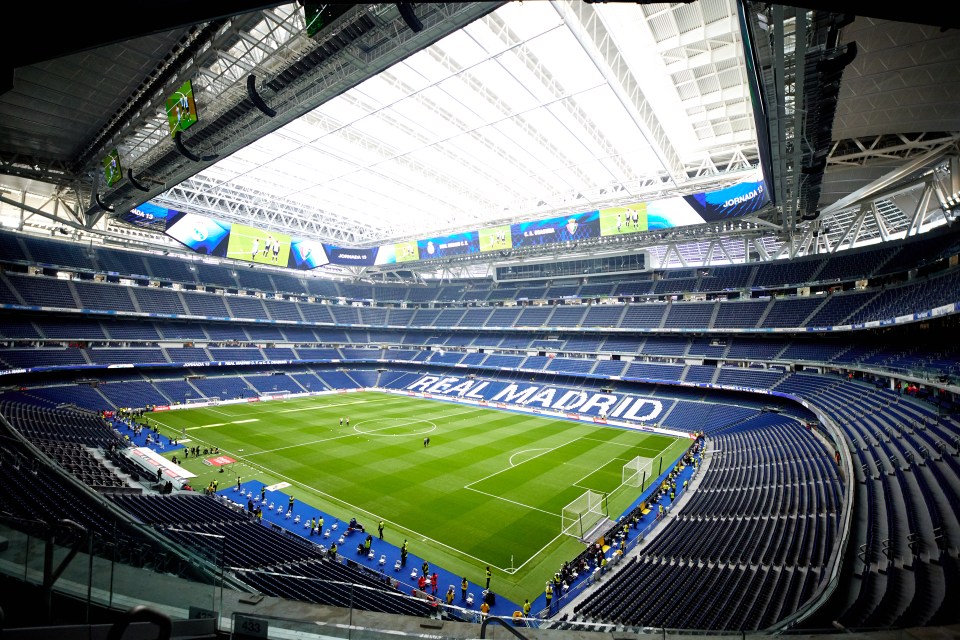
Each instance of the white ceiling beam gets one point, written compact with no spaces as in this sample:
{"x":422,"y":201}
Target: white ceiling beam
{"x":894,"y":177}
{"x":585,"y":24}
{"x":549,"y":82}
{"x":700,"y":55}
{"x":884,"y":234}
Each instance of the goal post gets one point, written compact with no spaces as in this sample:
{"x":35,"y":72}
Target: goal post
{"x":636,"y":472}
{"x":202,"y":400}
{"x":583,"y":514}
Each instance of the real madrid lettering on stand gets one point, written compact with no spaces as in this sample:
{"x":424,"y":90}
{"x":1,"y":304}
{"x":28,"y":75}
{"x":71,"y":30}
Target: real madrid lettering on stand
{"x":609,"y":405}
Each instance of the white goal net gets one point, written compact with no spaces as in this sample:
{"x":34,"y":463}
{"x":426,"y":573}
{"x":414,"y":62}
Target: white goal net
{"x":211,"y":400}
{"x":276,"y":395}
{"x":637,"y":472}
{"x":583,"y":514}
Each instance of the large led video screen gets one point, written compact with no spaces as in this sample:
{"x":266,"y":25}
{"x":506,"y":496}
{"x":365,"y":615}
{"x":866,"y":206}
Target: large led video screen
{"x":199,"y":233}
{"x":406,"y":251}
{"x":570,"y":228}
{"x":250,"y":244}
{"x":457,"y":244}
{"x":306,"y":254}
{"x":112,"y":171}
{"x":258,"y":245}
{"x":319,"y":15}
{"x":616,"y":221}
{"x":352,"y":257}
{"x":181,"y":108}
{"x":148,"y":215}
{"x":496,"y":238}
{"x":670,"y":213}
{"x":743,"y":198}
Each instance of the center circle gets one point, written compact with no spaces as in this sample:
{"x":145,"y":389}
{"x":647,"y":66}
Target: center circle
{"x":394,"y":427}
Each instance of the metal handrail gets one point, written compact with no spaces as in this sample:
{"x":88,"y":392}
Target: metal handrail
{"x":488,"y":619}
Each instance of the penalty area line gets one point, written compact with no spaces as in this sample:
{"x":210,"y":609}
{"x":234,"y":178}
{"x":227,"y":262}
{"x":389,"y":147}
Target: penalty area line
{"x":510,"y":461}
{"x":533,"y":556}
{"x":324,"y":406}
{"x":358,"y":509}
{"x":221,"y":424}
{"x":519,"y":504}
{"x":353,"y":433}
{"x":596,"y":470}
{"x":545,"y":452}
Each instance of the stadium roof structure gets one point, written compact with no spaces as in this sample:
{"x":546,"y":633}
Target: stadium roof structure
{"x":400,"y":121}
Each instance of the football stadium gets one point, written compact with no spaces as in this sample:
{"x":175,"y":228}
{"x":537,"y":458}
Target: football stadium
{"x":406,"y":319}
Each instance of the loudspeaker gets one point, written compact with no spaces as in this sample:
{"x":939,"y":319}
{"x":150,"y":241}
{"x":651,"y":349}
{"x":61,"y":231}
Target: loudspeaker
{"x":406,"y":11}
{"x":255,"y":97}
{"x":836,"y":64}
{"x":816,"y":167}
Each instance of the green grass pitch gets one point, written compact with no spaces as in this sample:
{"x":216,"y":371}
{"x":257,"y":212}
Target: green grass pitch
{"x":489,"y":489}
